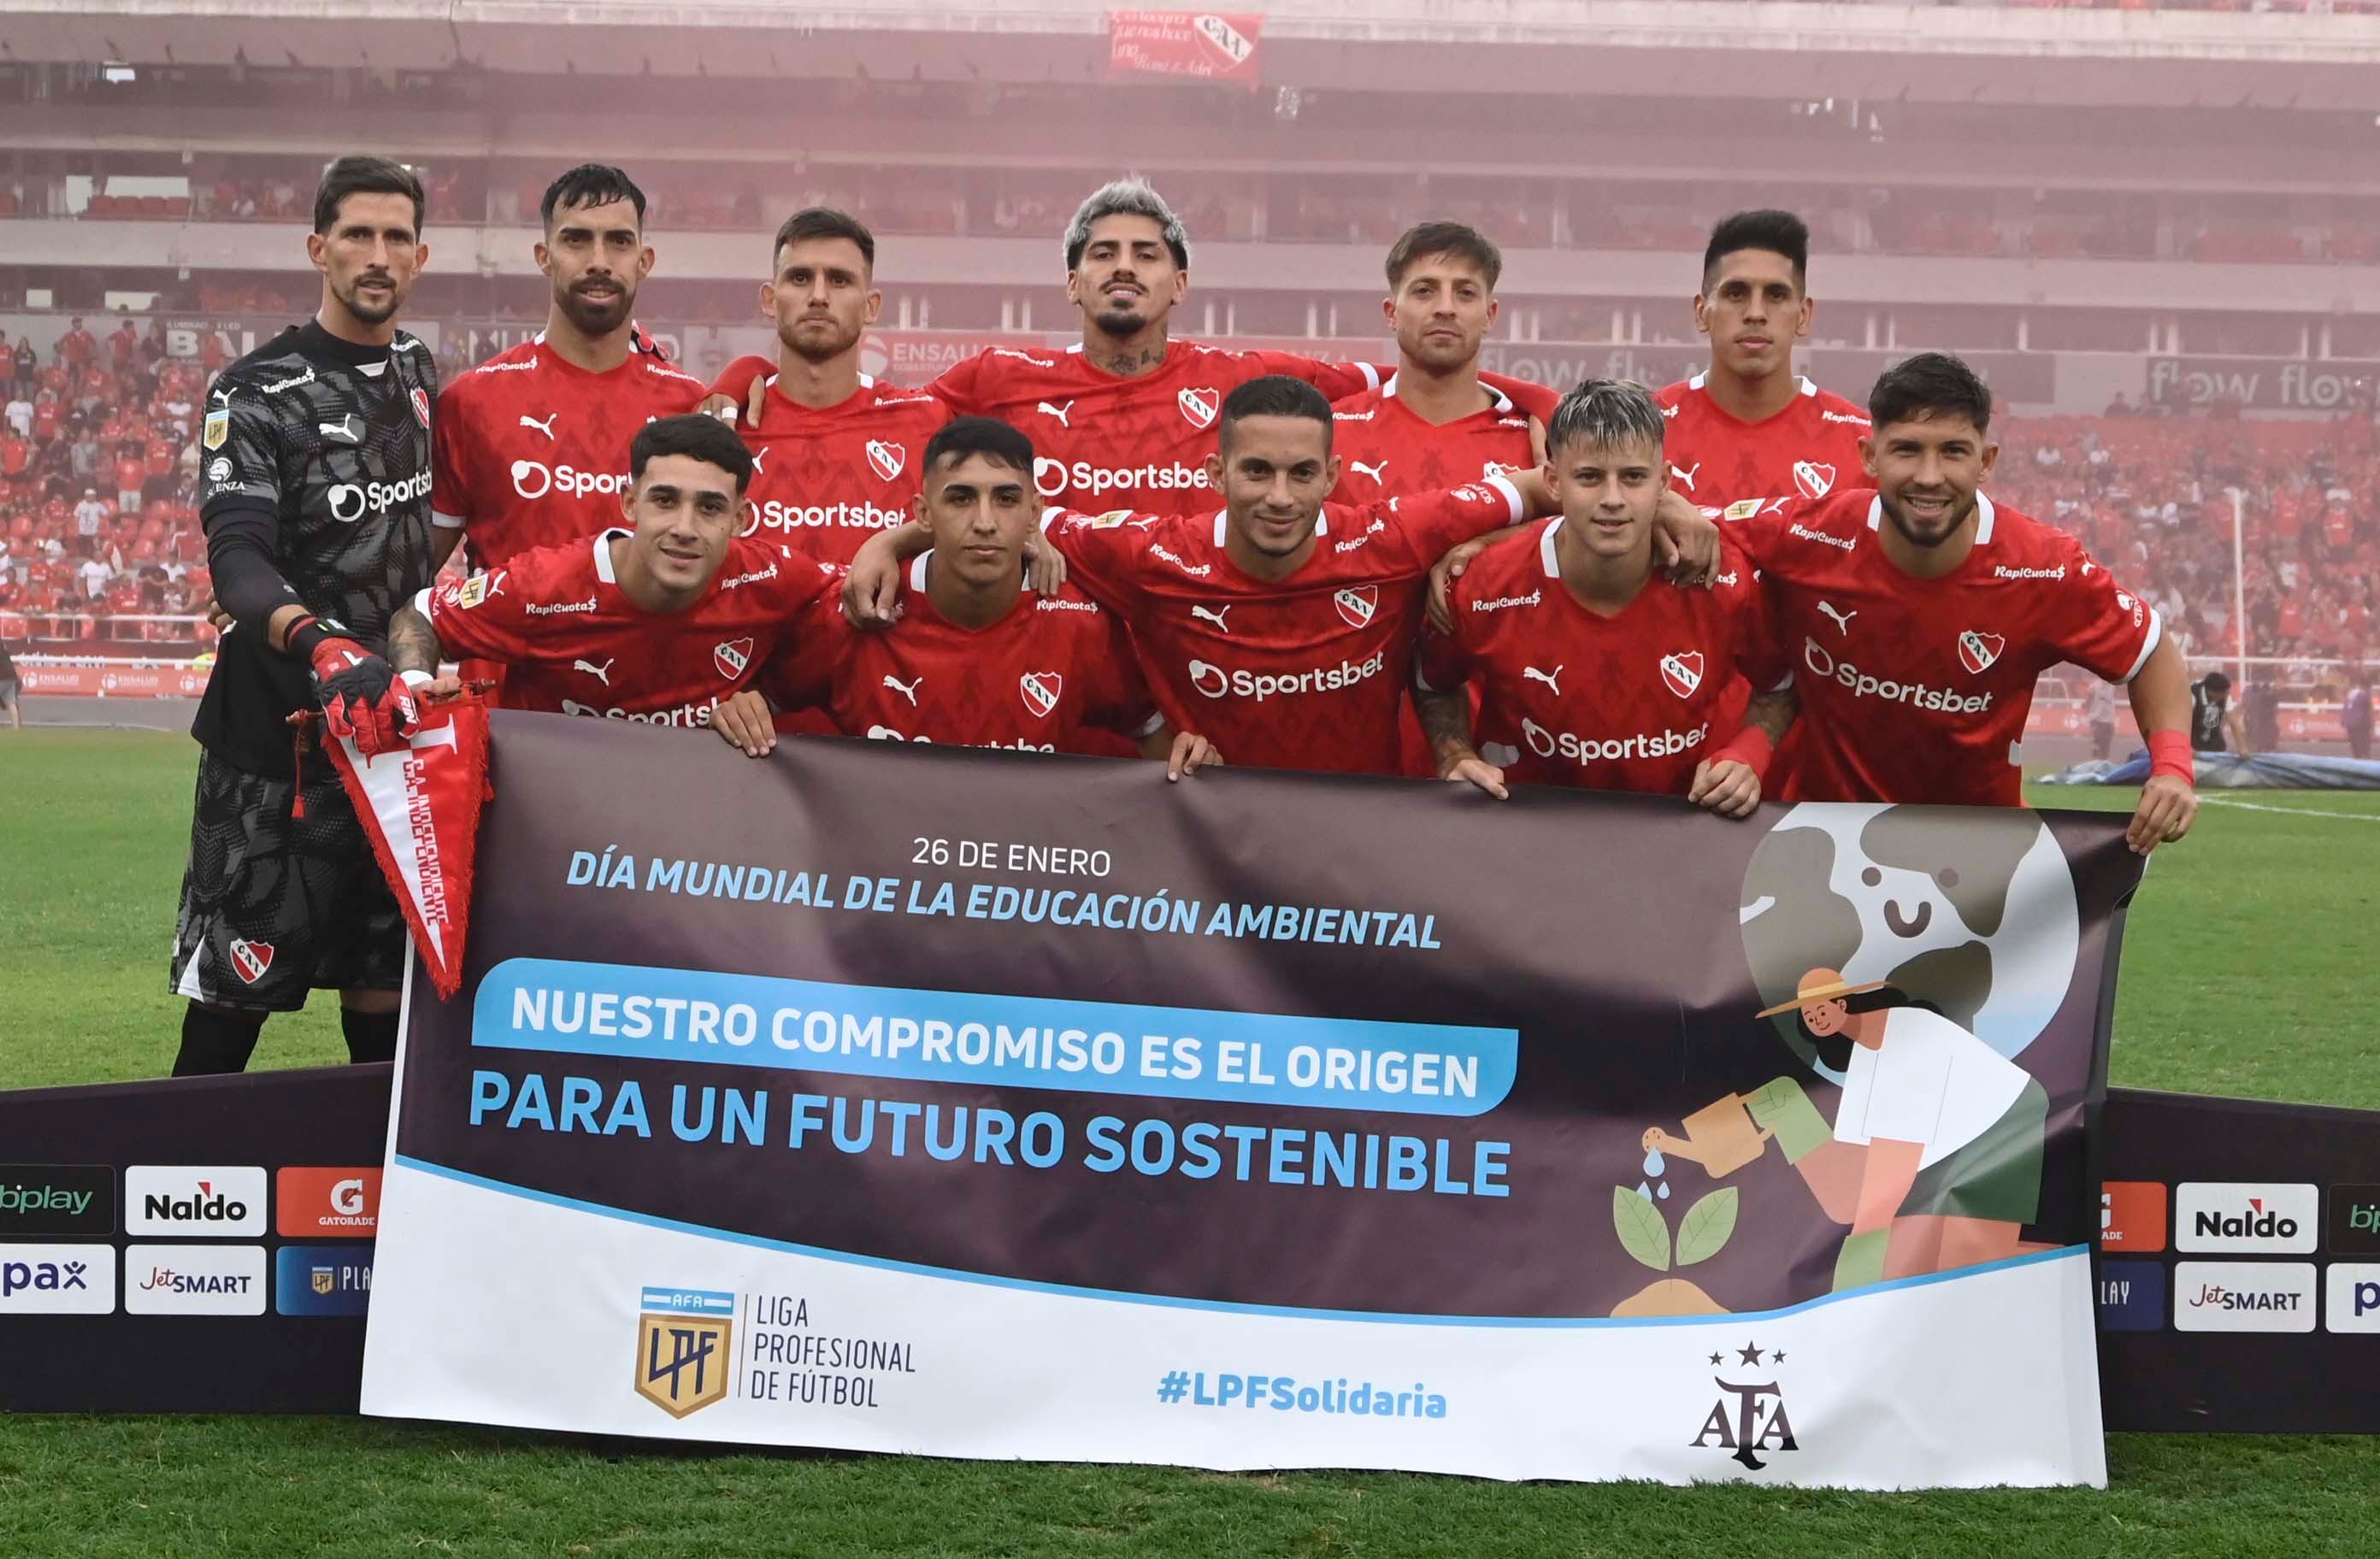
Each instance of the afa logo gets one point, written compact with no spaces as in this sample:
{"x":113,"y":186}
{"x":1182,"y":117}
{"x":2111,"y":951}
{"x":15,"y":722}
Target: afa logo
{"x":1041,"y":690}
{"x":1198,"y":406}
{"x":1682,"y":673}
{"x":1357,"y":604}
{"x":1748,"y":1419}
{"x":685,"y":1352}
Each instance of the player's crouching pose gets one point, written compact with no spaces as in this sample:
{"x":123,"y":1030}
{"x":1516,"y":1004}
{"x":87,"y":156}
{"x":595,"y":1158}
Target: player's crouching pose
{"x":1592,"y":673}
{"x":656,"y":622}
{"x":974,"y":658}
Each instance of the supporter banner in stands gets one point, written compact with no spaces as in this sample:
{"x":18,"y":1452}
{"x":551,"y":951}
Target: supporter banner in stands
{"x":979,"y":1105}
{"x":1202,"y":45}
{"x":2263,"y":383}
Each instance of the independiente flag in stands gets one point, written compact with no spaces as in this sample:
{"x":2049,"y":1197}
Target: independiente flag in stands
{"x":990,"y":1104}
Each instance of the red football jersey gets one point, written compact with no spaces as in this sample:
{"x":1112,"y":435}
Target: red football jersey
{"x":825,"y":481}
{"x":572,"y":642}
{"x":1104,"y":441}
{"x":529,"y":451}
{"x":1041,"y":679}
{"x":1916,"y":690}
{"x":1631,"y":701}
{"x":1733,"y":469}
{"x":1302,"y":673}
{"x":1387,"y":452}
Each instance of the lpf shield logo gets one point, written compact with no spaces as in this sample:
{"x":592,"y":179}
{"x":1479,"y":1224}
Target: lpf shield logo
{"x":683,"y":1361}
{"x":324,"y":1279}
{"x":1682,"y":673}
{"x":1356,"y":605}
{"x":732,"y":657}
{"x":421,"y":406}
{"x":1041,"y":690}
{"x":1199,"y":407}
{"x":1977,"y":650}
{"x":886,"y":460}
{"x":1815,"y":480}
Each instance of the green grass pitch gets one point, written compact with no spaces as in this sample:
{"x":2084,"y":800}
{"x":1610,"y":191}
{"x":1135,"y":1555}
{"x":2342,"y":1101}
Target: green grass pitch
{"x":2249,"y":969}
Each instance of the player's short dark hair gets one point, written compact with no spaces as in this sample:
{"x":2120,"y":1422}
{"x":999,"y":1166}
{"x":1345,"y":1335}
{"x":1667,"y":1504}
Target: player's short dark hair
{"x":1452,"y":239}
{"x":364,"y":176}
{"x":823,"y":221}
{"x":705,"y":438}
{"x":1777,"y":232}
{"x":1930,"y":384}
{"x":589,"y":184}
{"x":964,"y":437}
{"x":1275,"y":394}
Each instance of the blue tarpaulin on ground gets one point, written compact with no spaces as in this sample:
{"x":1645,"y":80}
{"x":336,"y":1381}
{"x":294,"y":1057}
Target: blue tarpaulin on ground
{"x":2225,"y":771}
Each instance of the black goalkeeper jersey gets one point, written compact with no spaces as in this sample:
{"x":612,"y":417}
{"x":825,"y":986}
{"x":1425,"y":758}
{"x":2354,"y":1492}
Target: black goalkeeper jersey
{"x":334,"y":438}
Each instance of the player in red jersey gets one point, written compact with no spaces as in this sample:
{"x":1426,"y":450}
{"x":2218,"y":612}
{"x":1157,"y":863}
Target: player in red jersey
{"x":1921,"y":614}
{"x":1592,"y":673}
{"x":1280,"y":626}
{"x":527,"y":446}
{"x":655,"y":623}
{"x":1747,"y":433}
{"x":975,"y":659}
{"x":1127,"y":417}
{"x":837,"y":455}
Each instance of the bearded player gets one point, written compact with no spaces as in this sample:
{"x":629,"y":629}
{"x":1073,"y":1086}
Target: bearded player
{"x":1921,"y":614}
{"x":977,"y":658}
{"x":1748,"y":434}
{"x":655,"y":620}
{"x":1592,"y":673}
{"x":1127,"y":417}
{"x":529,"y":443}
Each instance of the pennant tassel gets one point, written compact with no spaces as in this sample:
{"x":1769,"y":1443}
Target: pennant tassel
{"x":420,"y":808}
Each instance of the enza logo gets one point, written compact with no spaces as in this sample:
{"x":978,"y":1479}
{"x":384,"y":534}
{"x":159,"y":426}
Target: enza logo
{"x":56,"y":1199}
{"x":2244,"y":1218}
{"x":222,"y":1203}
{"x":1749,"y":1417}
{"x":58,"y":1279}
{"x":684,"y":1353}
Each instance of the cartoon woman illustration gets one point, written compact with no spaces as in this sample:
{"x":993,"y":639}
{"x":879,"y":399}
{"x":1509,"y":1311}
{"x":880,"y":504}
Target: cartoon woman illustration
{"x":1934,"y":1157}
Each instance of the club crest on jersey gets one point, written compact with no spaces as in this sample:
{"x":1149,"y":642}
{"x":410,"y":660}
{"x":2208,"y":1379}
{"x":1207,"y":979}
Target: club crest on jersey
{"x":1683,"y":674}
{"x":250,"y":959}
{"x":1977,"y":650}
{"x":731,"y":657}
{"x":1815,"y":480}
{"x":421,"y":406}
{"x":1198,"y":405}
{"x":1041,"y":690}
{"x":886,"y":460}
{"x":1357,"y":604}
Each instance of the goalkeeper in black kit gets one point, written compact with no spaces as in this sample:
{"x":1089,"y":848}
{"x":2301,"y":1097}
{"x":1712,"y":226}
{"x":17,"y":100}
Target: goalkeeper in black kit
{"x":314,"y":490}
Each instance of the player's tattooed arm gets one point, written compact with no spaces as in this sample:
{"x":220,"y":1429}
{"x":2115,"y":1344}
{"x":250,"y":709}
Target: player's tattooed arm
{"x":1773,"y":712}
{"x":1445,"y":722}
{"x":2160,"y":699}
{"x":412,"y":641}
{"x":1728,"y":781}
{"x":1685,"y":543}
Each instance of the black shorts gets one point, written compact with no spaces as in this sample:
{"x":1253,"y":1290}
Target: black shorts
{"x":7,"y":693}
{"x":273,"y":906}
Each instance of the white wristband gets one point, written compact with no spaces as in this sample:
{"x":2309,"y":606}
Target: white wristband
{"x":416,"y":678}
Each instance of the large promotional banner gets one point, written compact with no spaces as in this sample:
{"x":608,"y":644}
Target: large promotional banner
{"x":987,"y":1105}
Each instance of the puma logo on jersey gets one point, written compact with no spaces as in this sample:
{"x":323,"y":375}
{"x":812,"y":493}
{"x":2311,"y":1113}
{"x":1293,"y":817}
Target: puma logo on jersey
{"x":1372,"y":470}
{"x":1685,"y":477}
{"x":1046,"y":409}
{"x":1213,"y":614}
{"x":755,"y":455}
{"x":346,"y":430}
{"x":601,"y":674}
{"x":545,"y":427}
{"x":907,"y":690}
{"x":1842,"y":620}
{"x":1530,"y":673}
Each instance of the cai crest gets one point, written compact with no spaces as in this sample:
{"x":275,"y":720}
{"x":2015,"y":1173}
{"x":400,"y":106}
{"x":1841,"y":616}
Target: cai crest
{"x":1199,"y":405}
{"x":250,"y":959}
{"x":1815,"y":480}
{"x":1357,"y":603}
{"x":683,"y":1361}
{"x":1682,"y":673}
{"x":886,"y":460}
{"x":422,"y":405}
{"x":1979,"y":650}
{"x":1041,"y":690}
{"x":732,"y":657}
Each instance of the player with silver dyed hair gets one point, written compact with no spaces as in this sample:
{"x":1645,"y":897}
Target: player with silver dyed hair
{"x":1612,"y":415}
{"x":1128,"y":265}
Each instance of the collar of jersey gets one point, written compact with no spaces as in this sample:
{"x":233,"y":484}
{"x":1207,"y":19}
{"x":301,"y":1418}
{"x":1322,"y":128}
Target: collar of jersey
{"x":603,"y":552}
{"x":1985,"y":515}
{"x":1223,"y":523}
{"x":1546,"y":554}
{"x":1503,"y":407}
{"x":314,"y":341}
{"x":1807,"y":388}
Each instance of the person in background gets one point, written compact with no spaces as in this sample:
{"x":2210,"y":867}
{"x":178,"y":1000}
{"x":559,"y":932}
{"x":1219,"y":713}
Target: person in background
{"x":2099,"y":713}
{"x":2215,"y":725}
{"x":9,"y":691}
{"x":2357,"y":714}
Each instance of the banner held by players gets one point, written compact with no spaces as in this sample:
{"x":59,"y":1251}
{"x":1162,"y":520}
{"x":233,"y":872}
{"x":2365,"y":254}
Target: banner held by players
{"x":913,"y":1101}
